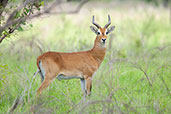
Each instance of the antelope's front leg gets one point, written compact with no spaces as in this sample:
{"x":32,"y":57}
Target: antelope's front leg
{"x":88,"y":85}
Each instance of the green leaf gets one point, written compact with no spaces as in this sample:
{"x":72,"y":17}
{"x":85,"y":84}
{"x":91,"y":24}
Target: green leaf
{"x":31,"y":25}
{"x":42,"y":3}
{"x":17,"y":14}
{"x":24,"y":23}
{"x":27,"y":10}
{"x":25,"y":13}
{"x":5,"y":32}
{"x":20,"y":28}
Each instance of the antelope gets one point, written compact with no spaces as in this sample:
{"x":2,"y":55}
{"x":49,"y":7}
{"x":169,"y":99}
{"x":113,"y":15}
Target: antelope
{"x":80,"y":65}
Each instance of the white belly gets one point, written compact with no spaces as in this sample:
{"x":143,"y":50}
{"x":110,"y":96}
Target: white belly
{"x":63,"y":77}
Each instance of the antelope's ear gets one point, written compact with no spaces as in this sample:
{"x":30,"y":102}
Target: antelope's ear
{"x":95,"y":30}
{"x":110,"y":29}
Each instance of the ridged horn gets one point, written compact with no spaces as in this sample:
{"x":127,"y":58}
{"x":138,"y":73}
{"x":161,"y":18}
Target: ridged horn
{"x":109,"y":22}
{"x":97,"y":25}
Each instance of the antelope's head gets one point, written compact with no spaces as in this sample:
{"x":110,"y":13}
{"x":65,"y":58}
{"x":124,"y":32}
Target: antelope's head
{"x":102,"y":33}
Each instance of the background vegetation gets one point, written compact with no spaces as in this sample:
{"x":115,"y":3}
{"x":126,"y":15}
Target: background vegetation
{"x":134,"y":77}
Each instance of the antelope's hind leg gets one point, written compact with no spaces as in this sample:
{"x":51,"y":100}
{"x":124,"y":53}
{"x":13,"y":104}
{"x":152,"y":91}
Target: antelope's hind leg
{"x":49,"y":74}
{"x":88,"y":85}
{"x":49,"y":77}
{"x":83,"y":86}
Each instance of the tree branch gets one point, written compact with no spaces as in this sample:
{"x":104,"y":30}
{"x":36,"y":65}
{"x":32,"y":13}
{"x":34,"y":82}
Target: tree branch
{"x":144,"y":72}
{"x":11,"y":21}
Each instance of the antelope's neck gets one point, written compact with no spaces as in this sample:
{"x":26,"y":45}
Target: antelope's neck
{"x":98,"y":51}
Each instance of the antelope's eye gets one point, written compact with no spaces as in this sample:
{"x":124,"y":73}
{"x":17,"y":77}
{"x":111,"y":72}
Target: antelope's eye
{"x":107,"y":33}
{"x":98,"y":33}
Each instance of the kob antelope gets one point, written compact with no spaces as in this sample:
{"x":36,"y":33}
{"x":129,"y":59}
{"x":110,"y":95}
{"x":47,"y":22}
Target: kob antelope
{"x":81,"y":65}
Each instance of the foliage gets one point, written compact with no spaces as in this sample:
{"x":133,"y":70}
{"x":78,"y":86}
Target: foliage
{"x":157,"y":2}
{"x":26,"y":11}
{"x":18,"y":15}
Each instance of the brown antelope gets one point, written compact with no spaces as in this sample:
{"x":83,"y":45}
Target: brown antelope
{"x":81,"y":65}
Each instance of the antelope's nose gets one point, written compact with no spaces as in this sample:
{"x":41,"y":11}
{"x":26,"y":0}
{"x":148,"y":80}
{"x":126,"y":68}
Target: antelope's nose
{"x":103,"y":40}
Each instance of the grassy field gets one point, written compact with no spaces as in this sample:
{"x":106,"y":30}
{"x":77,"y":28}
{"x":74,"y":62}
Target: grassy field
{"x":135,"y":76}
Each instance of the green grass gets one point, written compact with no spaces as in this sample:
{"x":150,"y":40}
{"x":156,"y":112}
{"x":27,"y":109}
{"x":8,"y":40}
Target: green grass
{"x":140,"y":42}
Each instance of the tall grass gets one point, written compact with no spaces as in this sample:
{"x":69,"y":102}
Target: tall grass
{"x":134,"y":77}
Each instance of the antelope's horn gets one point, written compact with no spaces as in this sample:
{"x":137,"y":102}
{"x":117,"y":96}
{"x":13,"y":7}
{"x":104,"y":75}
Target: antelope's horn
{"x":109,"y":22}
{"x":97,"y":25}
